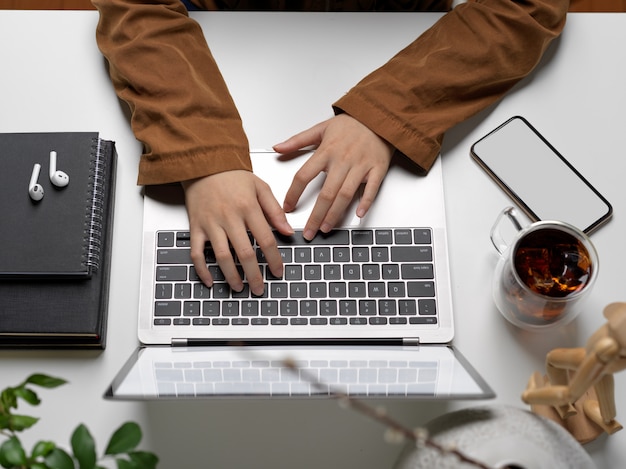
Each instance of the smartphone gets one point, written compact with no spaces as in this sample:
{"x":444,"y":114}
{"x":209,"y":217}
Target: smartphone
{"x":538,"y":178}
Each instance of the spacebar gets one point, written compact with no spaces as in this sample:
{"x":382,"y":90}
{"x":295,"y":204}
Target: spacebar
{"x":335,"y":237}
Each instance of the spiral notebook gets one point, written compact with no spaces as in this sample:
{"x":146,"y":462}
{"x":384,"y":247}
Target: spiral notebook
{"x":54,"y":251}
{"x":60,"y":234}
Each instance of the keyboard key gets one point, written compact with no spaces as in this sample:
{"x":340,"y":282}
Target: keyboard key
{"x":308,"y":308}
{"x":347,"y":308}
{"x":371,"y":272}
{"x":249,"y":308}
{"x":191,"y":308}
{"x":318,"y":290}
{"x":171,"y":273}
{"x":183,"y":239}
{"x":165,"y":239}
{"x":321,"y":254}
{"x":417,"y":271}
{"x":328,"y":308}
{"x":182,"y":290}
{"x":403,"y":236}
{"x":302,"y":255}
{"x":279,"y":290}
{"x":387,"y":308}
{"x":422,"y":236}
{"x":269,"y":308}
{"x":427,"y":307}
{"x":361,"y":254}
{"x":351,"y":272}
{"x":395,"y":289}
{"x":173,"y":256}
{"x":423,"y":320}
{"x":201,"y":321}
{"x":367,"y":308}
{"x":384,"y":236}
{"x":288,"y":308}
{"x":293,"y":272}
{"x":332,"y":272}
{"x":313,"y":272}
{"x":365,"y":237}
{"x":163,"y":291}
{"x":407,"y":307}
{"x":230,"y":308}
{"x":341,"y":254}
{"x":380,"y":254}
{"x":411,"y":254}
{"x":421,"y":289}
{"x":167,"y":308}
{"x":210,"y":308}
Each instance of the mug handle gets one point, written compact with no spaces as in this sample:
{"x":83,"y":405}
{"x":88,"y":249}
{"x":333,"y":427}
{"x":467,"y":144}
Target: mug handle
{"x":496,"y":235}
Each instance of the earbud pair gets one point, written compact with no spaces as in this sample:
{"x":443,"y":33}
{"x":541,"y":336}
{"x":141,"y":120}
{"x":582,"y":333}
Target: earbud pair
{"x":58,"y":178}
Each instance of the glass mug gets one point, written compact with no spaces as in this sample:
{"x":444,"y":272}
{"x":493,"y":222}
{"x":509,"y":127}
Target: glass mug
{"x":544,"y":272}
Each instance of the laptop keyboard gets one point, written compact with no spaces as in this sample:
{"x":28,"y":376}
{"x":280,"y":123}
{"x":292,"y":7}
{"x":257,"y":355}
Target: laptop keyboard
{"x":349,"y":277}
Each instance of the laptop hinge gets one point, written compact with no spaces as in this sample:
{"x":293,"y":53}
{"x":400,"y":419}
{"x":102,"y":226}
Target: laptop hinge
{"x":179,"y":343}
{"x":411,"y":341}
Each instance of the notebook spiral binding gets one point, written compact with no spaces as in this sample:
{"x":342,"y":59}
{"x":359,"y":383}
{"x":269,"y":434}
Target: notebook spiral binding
{"x":95,"y":211}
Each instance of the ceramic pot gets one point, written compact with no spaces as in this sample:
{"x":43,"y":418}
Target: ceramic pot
{"x":500,"y":437}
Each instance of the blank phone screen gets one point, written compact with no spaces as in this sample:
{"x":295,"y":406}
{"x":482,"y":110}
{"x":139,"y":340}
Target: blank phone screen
{"x":538,"y":178}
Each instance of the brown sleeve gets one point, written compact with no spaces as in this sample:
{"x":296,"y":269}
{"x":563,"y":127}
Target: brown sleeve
{"x":465,"y":62}
{"x":181,"y":109}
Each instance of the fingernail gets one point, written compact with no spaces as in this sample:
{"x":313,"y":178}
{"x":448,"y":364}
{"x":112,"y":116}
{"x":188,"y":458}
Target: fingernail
{"x":325,"y":228}
{"x":308,"y":234}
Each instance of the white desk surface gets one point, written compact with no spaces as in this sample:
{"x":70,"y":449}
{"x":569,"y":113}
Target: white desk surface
{"x":284,"y":71}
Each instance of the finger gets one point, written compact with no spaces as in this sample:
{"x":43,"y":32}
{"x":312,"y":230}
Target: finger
{"x":248,"y":261}
{"x":311,"y":136}
{"x":265,"y":238}
{"x":267,"y":243}
{"x":342,"y":201}
{"x":325,"y":199}
{"x":224,"y":258}
{"x":372,"y":186}
{"x":272,"y":209}
{"x":309,"y":171}
{"x":198,"y":241}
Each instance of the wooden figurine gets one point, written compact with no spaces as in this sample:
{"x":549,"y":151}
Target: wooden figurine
{"x":578,"y":389}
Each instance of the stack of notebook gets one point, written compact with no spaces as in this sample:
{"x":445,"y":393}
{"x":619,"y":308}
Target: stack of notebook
{"x":55,"y":252}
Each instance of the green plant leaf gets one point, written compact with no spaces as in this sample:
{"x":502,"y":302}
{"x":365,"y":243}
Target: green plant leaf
{"x":12,"y":453}
{"x":42,"y":448}
{"x":38,"y":465}
{"x":28,"y":395}
{"x":125,"y":439}
{"x":44,"y":381}
{"x":5,"y":420}
{"x":21,"y":422}
{"x":84,"y":447}
{"x":59,"y":459}
{"x":8,"y":399}
{"x":125,"y":464}
{"x":144,"y":459}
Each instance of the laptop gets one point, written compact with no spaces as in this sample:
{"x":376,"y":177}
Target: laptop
{"x":364,"y":311}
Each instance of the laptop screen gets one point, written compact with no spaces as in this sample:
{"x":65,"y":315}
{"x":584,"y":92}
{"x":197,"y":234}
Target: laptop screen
{"x":420,"y":372}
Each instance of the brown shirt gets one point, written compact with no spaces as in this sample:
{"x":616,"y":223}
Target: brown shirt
{"x":182,"y":112}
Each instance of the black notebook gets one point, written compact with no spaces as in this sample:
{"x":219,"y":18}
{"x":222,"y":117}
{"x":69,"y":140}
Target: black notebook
{"x":55,"y":252}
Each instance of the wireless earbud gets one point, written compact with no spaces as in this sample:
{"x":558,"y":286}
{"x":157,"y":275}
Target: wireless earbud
{"x":34,"y":189}
{"x":58,"y":178}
